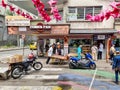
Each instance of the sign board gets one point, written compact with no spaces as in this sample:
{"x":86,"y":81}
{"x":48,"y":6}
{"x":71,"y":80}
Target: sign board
{"x":101,"y":37}
{"x":60,"y":30}
{"x":16,"y":21}
{"x":44,"y":27}
{"x":22,"y":29}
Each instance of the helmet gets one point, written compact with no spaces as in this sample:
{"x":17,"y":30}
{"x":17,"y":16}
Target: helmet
{"x":30,"y":56}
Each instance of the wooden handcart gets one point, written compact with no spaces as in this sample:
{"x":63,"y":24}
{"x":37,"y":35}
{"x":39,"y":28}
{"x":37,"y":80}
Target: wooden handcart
{"x":59,"y":58}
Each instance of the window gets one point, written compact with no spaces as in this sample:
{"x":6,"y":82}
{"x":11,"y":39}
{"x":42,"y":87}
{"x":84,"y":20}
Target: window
{"x":79,"y":13}
{"x":72,"y":10}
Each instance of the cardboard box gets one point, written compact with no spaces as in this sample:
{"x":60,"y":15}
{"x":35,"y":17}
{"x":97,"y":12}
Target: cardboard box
{"x":15,"y":59}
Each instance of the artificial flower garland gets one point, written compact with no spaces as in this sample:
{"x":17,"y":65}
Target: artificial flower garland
{"x":106,"y":14}
{"x":17,"y":11}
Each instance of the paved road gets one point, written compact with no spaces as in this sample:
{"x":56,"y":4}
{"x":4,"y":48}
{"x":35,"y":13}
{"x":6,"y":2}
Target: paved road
{"x":53,"y":77}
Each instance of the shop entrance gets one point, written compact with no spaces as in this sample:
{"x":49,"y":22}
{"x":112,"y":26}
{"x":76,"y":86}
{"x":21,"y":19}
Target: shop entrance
{"x":74,"y":43}
{"x":104,"y":47}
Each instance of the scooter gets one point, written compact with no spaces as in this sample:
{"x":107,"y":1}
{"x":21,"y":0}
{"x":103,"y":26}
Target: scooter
{"x":76,"y":63}
{"x":19,"y":68}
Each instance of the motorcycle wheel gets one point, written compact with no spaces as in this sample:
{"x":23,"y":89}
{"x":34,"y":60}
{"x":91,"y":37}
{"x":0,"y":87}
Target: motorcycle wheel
{"x":16,"y":72}
{"x":93,"y":66}
{"x":71,"y":66}
{"x":37,"y":66}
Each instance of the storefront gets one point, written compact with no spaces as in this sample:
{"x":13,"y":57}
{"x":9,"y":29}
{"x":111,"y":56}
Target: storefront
{"x":87,"y":37}
{"x":51,"y":33}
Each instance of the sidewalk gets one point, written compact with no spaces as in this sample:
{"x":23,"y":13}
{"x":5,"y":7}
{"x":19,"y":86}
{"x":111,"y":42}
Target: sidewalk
{"x":12,"y":48}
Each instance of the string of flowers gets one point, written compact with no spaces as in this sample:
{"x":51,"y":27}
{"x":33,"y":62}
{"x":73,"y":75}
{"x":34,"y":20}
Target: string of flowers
{"x":54,"y":9}
{"x":40,"y":7}
{"x":106,"y":14}
{"x":16,"y":10}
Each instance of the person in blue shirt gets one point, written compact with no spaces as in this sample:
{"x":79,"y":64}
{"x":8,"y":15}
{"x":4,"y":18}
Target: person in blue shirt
{"x":116,"y":66}
{"x":79,"y":51}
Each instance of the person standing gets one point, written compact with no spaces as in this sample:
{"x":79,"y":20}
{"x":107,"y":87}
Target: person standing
{"x":100,"y":50}
{"x":112,"y":52}
{"x":58,"y":49}
{"x":46,"y":47}
{"x":79,"y":51}
{"x":116,"y":66}
{"x":50,"y":52}
{"x":94,"y":50}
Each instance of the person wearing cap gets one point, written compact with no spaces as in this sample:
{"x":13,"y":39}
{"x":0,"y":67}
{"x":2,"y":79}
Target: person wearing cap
{"x":58,"y":49}
{"x":116,"y":66}
{"x":50,"y":52}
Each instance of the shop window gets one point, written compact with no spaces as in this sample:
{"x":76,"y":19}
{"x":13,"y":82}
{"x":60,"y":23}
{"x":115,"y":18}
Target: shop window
{"x":74,"y":43}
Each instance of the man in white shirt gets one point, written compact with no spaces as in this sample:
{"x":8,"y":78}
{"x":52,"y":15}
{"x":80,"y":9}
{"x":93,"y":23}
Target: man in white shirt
{"x":100,"y":50}
{"x":50,"y":52}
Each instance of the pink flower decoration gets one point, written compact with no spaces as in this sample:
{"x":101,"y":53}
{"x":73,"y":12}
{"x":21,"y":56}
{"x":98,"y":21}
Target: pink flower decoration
{"x":115,"y":13}
{"x":4,"y":4}
{"x":40,"y":7}
{"x":11,"y":8}
{"x":88,"y":16}
{"x":18,"y":11}
{"x":52,"y":3}
{"x":115,"y":4}
{"x":23,"y":14}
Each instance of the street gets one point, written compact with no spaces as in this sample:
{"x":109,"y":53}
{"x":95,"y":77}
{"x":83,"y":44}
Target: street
{"x":53,"y":76}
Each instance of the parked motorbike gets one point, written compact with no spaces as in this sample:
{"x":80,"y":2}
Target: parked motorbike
{"x":76,"y":63}
{"x":19,"y":68}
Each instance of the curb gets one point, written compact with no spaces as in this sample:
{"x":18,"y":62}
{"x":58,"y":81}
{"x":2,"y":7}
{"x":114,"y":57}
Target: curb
{"x":9,"y":49}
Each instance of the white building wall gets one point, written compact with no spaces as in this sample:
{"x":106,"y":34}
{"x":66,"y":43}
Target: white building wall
{"x":85,"y":24}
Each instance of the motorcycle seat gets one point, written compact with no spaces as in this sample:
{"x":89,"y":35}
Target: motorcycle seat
{"x":83,"y":61}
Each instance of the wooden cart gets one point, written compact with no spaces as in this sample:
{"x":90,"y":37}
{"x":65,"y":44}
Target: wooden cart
{"x":59,"y":58}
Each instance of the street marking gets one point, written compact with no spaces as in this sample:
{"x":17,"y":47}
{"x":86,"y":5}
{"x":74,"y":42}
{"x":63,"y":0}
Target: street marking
{"x":41,"y":77}
{"x":93,"y":79}
{"x":26,"y":87}
{"x":51,"y":69}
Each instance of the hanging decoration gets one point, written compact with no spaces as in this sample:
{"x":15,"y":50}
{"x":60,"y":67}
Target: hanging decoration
{"x":106,"y":14}
{"x":16,"y":10}
{"x":54,"y":9}
{"x":11,"y":8}
{"x":3,"y":4}
{"x":41,"y":10}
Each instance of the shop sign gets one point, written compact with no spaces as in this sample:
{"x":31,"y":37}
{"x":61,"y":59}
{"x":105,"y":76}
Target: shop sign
{"x":101,"y":37}
{"x":22,"y":29}
{"x":43,"y":27}
{"x":60,"y":30}
{"x":16,"y":21}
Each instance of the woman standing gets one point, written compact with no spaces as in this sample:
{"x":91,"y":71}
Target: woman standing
{"x":94,"y":50}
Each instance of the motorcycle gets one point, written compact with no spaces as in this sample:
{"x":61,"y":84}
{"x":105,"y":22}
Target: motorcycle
{"x":19,"y":68}
{"x":76,"y":63}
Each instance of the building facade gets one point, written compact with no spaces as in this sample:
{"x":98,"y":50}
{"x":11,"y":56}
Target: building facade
{"x":82,"y":31}
{"x":85,"y":32}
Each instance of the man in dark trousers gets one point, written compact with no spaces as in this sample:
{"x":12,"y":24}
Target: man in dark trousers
{"x":116,"y":66}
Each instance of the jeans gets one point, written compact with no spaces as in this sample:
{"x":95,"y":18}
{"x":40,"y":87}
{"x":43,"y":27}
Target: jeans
{"x":116,"y":76}
{"x":48,"y":60}
{"x":99,"y":54}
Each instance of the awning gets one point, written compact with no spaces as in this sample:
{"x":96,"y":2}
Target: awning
{"x":97,"y":31}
